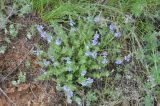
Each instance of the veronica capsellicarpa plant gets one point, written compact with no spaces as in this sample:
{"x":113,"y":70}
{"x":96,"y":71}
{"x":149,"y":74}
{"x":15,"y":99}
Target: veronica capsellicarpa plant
{"x":77,"y":58}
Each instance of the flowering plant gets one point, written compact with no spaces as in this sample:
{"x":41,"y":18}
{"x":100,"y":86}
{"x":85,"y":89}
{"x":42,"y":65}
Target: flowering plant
{"x":79,"y":53}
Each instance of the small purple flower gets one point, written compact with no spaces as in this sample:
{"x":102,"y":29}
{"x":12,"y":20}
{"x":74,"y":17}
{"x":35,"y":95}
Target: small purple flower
{"x":84,"y":83}
{"x":112,"y":27}
{"x":45,"y":62}
{"x":97,"y":19}
{"x":94,"y":55}
{"x":37,"y":52}
{"x":40,"y":28}
{"x":104,"y":53}
{"x":68,"y":92}
{"x":88,"y":53}
{"x":71,"y":23}
{"x":127,"y":58}
{"x":94,"y":42}
{"x":83,"y":73}
{"x":50,"y":56}
{"x":58,"y":42}
{"x":49,"y":38}
{"x":104,"y":61}
{"x":87,"y":82}
{"x":117,"y":34}
{"x":96,"y":36}
{"x":128,"y":18}
{"x":95,"y":39}
{"x":43,"y":34}
{"x":69,"y":69}
{"x":118,"y":62}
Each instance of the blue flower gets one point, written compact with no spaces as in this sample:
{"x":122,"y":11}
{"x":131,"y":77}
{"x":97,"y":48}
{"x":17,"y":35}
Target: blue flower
{"x":84,"y":83}
{"x":68,"y":60}
{"x":44,"y":34}
{"x":40,"y":28}
{"x":94,"y":55}
{"x":117,"y":34}
{"x":128,"y":18}
{"x":104,"y":61}
{"x":112,"y":27}
{"x":88,"y":53}
{"x":104,"y":53}
{"x":94,"y":42}
{"x":68,"y":92}
{"x":71,"y":22}
{"x":97,"y":19}
{"x":118,"y":62}
{"x":58,"y":41}
{"x":127,"y":58}
{"x":45,"y":62}
{"x":91,"y":54}
{"x":87,"y":82}
{"x":95,"y":39}
{"x":37,"y":52}
{"x":83,"y":73}
{"x":96,"y":36}
{"x":69,"y":69}
{"x":49,"y":38}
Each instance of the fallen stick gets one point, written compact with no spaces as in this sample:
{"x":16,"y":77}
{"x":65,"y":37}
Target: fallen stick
{"x":7,"y":97}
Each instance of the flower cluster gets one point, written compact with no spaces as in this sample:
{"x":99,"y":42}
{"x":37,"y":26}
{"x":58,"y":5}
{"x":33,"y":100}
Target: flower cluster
{"x":44,"y":34}
{"x":72,"y":64}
